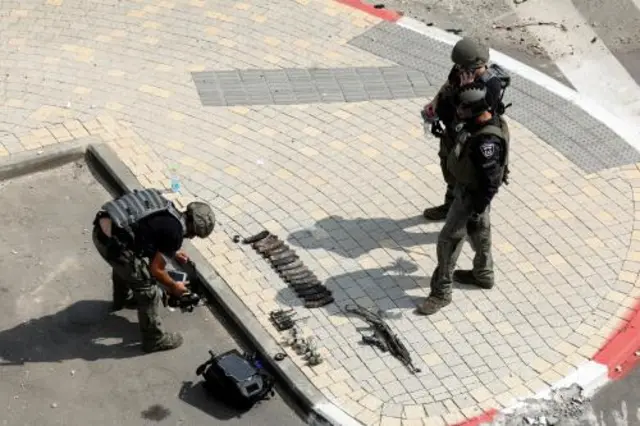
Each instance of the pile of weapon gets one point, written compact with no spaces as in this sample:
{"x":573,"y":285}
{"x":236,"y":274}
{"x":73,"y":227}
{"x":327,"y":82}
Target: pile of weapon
{"x":383,"y":337}
{"x":289,"y":266}
{"x":304,"y":346}
{"x":283,"y":319}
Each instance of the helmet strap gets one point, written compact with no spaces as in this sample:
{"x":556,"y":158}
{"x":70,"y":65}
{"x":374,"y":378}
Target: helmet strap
{"x":187,"y":225}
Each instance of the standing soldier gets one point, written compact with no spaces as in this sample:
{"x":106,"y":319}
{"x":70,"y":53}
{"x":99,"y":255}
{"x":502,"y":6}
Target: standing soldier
{"x":470,"y":60}
{"x":477,"y":161}
{"x":134,"y":234}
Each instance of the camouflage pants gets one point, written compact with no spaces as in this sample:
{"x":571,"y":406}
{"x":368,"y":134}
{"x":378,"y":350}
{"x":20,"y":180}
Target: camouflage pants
{"x":450,"y":243}
{"x":130,"y":275}
{"x":446,"y":145}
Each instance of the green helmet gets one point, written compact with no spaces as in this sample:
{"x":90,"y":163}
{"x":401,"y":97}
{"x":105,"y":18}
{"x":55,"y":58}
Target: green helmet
{"x":201,"y":218}
{"x":470,"y":53}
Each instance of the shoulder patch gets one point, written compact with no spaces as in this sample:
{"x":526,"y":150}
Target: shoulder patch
{"x":487,"y":149}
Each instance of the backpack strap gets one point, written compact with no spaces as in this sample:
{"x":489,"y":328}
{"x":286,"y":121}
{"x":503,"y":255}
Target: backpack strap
{"x":202,"y":367}
{"x":496,"y":71}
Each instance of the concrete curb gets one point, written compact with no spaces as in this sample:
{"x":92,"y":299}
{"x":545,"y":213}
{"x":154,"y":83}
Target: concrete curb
{"x":321,"y":410}
{"x":42,"y":159}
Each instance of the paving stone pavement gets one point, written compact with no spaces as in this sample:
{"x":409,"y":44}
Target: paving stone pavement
{"x":344,"y":183}
{"x":314,"y":85}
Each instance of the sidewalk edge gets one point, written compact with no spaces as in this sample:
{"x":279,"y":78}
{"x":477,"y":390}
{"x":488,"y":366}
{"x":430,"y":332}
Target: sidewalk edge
{"x":320,"y":409}
{"x":628,"y":132}
{"x":48,"y":157}
{"x":382,"y":13}
{"x":621,"y":353}
{"x":590,"y":376}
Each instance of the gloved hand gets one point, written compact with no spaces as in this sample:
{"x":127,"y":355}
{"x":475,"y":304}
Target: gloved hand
{"x":473,"y":223}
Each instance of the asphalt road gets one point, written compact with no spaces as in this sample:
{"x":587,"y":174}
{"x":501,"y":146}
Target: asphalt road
{"x":476,"y":18}
{"x":64,"y":360}
{"x":617,"y":404}
{"x":500,"y":23}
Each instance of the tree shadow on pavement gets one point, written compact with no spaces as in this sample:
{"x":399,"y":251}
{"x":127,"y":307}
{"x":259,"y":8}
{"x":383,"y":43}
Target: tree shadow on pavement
{"x":74,"y":332}
{"x":352,"y":238}
{"x":196,"y":395}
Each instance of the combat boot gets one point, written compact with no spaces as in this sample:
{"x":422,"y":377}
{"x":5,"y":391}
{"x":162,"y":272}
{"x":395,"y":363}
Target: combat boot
{"x":437,"y":213}
{"x":466,"y":277}
{"x":432,"y":304}
{"x":167,"y":342}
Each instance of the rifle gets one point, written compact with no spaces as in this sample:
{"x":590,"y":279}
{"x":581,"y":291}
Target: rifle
{"x":383,"y":337}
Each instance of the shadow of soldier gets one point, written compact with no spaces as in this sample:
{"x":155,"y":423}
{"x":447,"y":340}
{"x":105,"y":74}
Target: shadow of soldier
{"x":392,"y":288}
{"x":351,"y":238}
{"x":74,"y":332}
{"x":384,"y":287}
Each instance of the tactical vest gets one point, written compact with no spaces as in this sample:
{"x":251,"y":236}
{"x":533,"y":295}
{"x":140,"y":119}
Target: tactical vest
{"x":459,"y":161}
{"x":127,"y":211}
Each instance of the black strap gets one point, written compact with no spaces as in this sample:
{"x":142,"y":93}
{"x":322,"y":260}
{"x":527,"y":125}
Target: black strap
{"x":202,"y":367}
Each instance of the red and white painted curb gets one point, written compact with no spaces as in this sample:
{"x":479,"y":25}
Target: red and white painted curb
{"x":620,"y":354}
{"x":617,"y":357}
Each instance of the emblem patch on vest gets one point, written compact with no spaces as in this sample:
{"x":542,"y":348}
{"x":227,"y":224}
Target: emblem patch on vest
{"x":487,"y":149}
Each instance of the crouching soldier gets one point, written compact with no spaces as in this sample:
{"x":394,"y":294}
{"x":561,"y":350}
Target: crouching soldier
{"x":135,"y":234}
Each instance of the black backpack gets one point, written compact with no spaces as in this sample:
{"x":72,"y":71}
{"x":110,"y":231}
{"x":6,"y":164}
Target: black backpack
{"x":496,"y":71}
{"x":238,"y":380}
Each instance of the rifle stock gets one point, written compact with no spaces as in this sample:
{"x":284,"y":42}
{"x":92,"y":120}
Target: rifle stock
{"x":383,"y":337}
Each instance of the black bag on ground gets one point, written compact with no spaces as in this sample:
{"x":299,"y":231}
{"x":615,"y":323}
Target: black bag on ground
{"x":238,"y":380}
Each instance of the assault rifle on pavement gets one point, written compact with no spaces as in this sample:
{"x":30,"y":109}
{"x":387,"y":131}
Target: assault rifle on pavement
{"x":383,"y":337}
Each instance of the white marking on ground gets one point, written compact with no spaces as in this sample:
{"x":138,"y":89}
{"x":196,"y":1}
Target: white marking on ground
{"x":590,"y":67}
{"x":627,"y":129}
